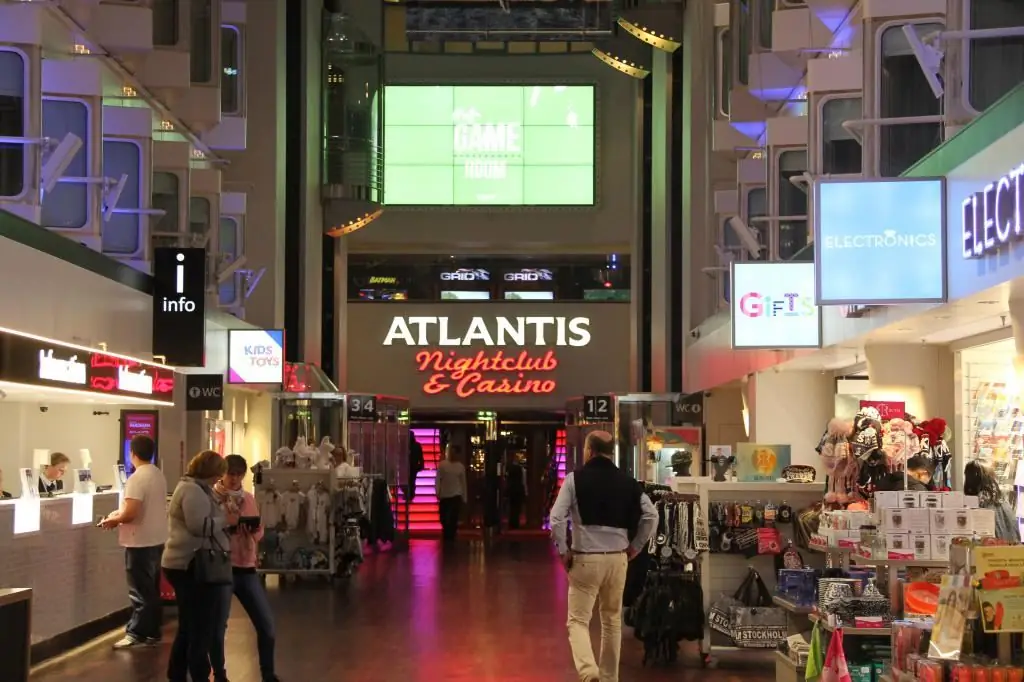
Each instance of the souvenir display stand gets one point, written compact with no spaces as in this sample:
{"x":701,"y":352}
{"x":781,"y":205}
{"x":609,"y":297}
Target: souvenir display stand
{"x":296,"y":506}
{"x":723,"y":571}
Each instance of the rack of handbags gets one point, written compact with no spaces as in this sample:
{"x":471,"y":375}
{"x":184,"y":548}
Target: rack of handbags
{"x":747,"y":528}
{"x":749,"y":617}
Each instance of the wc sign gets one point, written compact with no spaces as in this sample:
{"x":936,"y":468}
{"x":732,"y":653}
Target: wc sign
{"x":204,"y":392}
{"x":179,"y":305}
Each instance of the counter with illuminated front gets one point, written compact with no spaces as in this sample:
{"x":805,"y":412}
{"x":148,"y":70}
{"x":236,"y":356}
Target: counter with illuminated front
{"x":75,"y":570}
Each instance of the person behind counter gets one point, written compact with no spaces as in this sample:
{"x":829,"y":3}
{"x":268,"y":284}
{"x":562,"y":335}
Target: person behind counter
{"x":4,"y":495}
{"x":50,"y":479}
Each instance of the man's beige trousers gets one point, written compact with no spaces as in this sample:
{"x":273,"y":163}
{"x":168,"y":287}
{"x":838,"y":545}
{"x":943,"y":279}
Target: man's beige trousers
{"x":600,"y":579}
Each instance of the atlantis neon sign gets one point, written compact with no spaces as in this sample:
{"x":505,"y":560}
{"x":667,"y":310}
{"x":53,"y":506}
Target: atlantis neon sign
{"x":498,"y":331}
{"x":465,"y":375}
{"x":991,"y":217}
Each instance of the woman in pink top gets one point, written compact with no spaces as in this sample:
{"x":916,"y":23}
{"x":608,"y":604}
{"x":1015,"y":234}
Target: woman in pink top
{"x":248,"y":587}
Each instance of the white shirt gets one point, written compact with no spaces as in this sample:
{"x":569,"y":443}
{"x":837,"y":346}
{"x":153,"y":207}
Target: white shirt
{"x":451,"y":480}
{"x":596,"y":538}
{"x":149,"y":528}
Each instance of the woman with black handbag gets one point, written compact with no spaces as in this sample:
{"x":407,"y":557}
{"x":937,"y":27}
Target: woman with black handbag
{"x":197,"y":563}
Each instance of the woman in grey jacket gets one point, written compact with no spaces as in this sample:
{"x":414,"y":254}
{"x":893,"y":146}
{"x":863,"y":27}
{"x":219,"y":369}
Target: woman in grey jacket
{"x":193,"y":519}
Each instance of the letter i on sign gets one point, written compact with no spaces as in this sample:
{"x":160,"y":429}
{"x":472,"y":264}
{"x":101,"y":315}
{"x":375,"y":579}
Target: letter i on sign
{"x":180,"y":273}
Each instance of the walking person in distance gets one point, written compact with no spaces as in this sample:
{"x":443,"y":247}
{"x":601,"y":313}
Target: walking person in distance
{"x":450,"y":485}
{"x":605,"y":505}
{"x":141,"y":521}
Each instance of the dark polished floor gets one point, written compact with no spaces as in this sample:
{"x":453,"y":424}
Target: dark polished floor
{"x":424,"y":615}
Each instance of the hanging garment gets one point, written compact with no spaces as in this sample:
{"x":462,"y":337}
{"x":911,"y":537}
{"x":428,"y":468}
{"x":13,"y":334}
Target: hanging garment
{"x":271,"y":509}
{"x":319,"y":506}
{"x":382,"y":521}
{"x":291,"y":502}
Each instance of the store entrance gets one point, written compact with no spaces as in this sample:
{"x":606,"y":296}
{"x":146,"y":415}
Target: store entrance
{"x":514,"y":461}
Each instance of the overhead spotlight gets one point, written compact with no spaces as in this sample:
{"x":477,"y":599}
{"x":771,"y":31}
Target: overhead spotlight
{"x":659,"y":27}
{"x":624,"y":54}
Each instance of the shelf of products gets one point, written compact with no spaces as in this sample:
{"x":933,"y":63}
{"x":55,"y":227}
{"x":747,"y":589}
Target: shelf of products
{"x":788,"y":662}
{"x":791,"y":607}
{"x":856,"y":632}
{"x":898,"y":563}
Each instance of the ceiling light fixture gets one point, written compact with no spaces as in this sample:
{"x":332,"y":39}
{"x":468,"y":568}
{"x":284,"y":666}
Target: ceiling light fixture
{"x":354,"y":224}
{"x":625,"y":55}
{"x":76,"y":346}
{"x":654,"y":26}
{"x":34,"y":390}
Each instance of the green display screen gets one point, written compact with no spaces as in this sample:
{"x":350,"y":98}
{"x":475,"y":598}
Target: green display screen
{"x":500,"y":145}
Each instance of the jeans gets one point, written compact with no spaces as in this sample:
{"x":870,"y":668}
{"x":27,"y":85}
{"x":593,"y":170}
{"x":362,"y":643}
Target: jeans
{"x":253,"y":598}
{"x":449,"y":509}
{"x":515,"y":510}
{"x":197,"y":613}
{"x":596,"y":578}
{"x":142,"y":566}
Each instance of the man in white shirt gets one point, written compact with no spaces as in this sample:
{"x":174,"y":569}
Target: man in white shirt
{"x":142,"y":524}
{"x":450,"y":485}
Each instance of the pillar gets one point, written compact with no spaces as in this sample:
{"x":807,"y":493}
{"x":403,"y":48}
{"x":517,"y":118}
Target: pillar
{"x":310,"y":219}
{"x":659,"y":332}
{"x":920,"y":375}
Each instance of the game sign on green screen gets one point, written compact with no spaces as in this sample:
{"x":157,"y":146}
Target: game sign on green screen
{"x":501,"y":145}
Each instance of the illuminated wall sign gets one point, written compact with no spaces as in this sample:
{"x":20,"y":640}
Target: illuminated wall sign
{"x":36,"y":362}
{"x":490,"y":354}
{"x":134,"y":382}
{"x":773,"y":306}
{"x":377,"y":279}
{"x":466,"y":275}
{"x":497,"y":331}
{"x":255,"y":356}
{"x":179,"y":305}
{"x":880,"y":241}
{"x":66,"y":370}
{"x":991,"y":218}
{"x":529,"y":275}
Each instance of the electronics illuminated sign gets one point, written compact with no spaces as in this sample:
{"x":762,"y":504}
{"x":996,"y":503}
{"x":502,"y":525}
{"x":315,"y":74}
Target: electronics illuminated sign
{"x":466,"y":275}
{"x":255,"y":356}
{"x":377,"y":279}
{"x":773,"y":306}
{"x":880,"y":241}
{"x":991,"y":218}
{"x":496,"y":372}
{"x":529,"y":275}
{"x":509,"y":145}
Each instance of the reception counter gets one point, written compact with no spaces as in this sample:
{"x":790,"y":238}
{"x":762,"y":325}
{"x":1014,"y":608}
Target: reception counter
{"x":76,"y":573}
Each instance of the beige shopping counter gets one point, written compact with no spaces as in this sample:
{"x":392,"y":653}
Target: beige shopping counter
{"x":75,"y":571}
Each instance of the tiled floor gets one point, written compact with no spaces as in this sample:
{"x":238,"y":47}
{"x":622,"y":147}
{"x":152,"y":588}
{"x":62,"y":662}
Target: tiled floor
{"x":425,"y":615}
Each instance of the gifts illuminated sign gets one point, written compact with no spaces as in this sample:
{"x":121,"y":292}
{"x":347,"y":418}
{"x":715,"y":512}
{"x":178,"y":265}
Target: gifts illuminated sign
{"x":991,"y":217}
{"x":507,"y":367}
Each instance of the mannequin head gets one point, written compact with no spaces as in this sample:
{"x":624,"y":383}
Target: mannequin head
{"x":235,"y":474}
{"x":142,"y":451}
{"x":598,"y":444}
{"x":54,"y":471}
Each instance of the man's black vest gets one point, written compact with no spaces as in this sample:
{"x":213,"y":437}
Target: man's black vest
{"x":607,"y":496}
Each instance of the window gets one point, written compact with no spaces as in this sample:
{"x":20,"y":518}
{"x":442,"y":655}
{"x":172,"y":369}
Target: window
{"x":745,"y":35}
{"x":765,"y":11}
{"x":166,"y":196}
{"x":231,"y":68}
{"x":230,"y":250}
{"x":201,"y":46}
{"x":995,"y":65}
{"x":121,"y":234}
{"x":165,"y":22}
{"x":792,"y":202}
{"x":199,"y":218}
{"x":841,"y":152}
{"x":67,"y":205}
{"x":12,"y":123}
{"x":723,"y":74}
{"x":757,"y":207}
{"x":904,"y":91}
